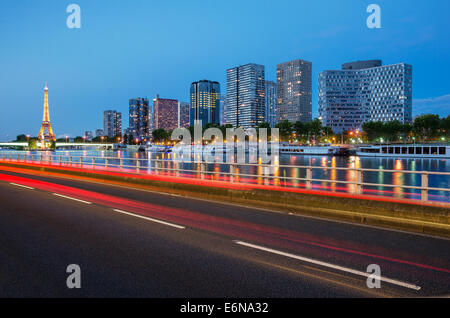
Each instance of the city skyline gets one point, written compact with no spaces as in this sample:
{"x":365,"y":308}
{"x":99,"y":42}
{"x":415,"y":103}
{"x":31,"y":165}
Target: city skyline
{"x":92,"y":80}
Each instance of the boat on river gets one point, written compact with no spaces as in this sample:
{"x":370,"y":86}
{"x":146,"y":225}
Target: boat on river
{"x":437,"y":151}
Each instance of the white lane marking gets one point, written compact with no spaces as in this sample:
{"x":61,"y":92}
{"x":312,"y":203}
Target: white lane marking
{"x":70,"y":198}
{"x":21,"y":185}
{"x":337,"y":267}
{"x":149,"y":219}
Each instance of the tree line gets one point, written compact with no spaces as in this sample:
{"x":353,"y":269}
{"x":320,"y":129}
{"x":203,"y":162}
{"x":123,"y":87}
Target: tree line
{"x":425,"y":128}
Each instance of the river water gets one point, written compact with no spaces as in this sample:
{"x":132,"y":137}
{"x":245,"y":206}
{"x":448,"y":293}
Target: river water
{"x":284,"y":175}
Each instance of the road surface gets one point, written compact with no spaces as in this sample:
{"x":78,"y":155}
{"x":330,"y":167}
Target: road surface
{"x":136,"y":243}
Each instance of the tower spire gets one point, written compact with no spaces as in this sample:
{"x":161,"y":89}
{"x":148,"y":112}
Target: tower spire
{"x":46,"y":125}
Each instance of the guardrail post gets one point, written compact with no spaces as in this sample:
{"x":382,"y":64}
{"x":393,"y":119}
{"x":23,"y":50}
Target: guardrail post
{"x":93,"y":163}
{"x":231,"y":173}
{"x":309,"y":178}
{"x":70,"y":160}
{"x":424,"y":186}
{"x":40,"y":159}
{"x":60,"y":160}
{"x":18,"y":157}
{"x":81,"y":161}
{"x":121,"y":164}
{"x":177,"y":168}
{"x":266,"y":173}
{"x":359,"y":181}
{"x":138,"y":164}
{"x":202,"y":171}
{"x":106,"y":162}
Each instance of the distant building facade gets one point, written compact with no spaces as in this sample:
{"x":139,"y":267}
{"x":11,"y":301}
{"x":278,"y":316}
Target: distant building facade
{"x":99,"y":133}
{"x":88,"y":135}
{"x":271,"y":103}
{"x":245,"y":95}
{"x":205,"y":102}
{"x":183,"y":115}
{"x":112,"y":123}
{"x":139,"y":118}
{"x":294,"y":91}
{"x":365,"y":91}
{"x":223,"y":110}
{"x":165,"y":113}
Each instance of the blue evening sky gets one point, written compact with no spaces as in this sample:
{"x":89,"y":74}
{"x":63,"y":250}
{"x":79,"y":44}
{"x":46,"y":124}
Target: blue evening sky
{"x":140,"y":48}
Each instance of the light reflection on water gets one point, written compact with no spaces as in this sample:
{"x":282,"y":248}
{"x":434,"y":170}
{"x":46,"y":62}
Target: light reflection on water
{"x":284,"y":175}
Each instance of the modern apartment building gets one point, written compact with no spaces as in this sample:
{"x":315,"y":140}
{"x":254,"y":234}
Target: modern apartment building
{"x":183,"y":115}
{"x":294,"y":91}
{"x":365,"y":91}
{"x":271,"y":103}
{"x":112,"y":123}
{"x":165,"y":113}
{"x":205,"y":102}
{"x":223,"y":109}
{"x":139,"y":118}
{"x":246,"y":95}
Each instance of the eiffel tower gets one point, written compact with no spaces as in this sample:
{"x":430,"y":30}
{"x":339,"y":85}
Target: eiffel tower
{"x":43,"y":136}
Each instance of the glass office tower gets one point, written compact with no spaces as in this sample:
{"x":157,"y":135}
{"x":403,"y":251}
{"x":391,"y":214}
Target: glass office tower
{"x":365,"y":91}
{"x":294,"y":91}
{"x":205,"y":102}
{"x":139,"y":118}
{"x":246,"y":96}
{"x":271,"y":103}
{"x":112,"y":123}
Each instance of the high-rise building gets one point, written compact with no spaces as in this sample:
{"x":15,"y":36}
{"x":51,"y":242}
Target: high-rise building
{"x":271,"y":103}
{"x":294,"y":91}
{"x":365,"y":91}
{"x":165,"y":113}
{"x":245,"y":95}
{"x":112,"y":123}
{"x":223,"y":109}
{"x":183,"y":115}
{"x":205,"y":102}
{"x":139,"y":118}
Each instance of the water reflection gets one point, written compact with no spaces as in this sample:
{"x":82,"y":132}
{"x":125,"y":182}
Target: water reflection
{"x":398,"y":178}
{"x":282,"y":176}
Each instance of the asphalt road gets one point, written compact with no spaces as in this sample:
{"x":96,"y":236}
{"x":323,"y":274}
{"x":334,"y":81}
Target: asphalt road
{"x":135,"y":243}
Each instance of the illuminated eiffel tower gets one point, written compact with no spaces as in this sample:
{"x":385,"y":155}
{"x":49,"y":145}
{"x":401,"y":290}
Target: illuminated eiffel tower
{"x":43,"y":136}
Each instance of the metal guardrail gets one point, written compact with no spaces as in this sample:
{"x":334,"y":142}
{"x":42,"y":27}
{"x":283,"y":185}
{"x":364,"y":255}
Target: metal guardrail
{"x":156,"y":165}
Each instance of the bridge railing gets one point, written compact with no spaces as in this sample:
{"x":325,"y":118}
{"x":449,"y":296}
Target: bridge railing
{"x":266,"y":174}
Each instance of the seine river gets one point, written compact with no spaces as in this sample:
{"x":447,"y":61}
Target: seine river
{"x":284,"y":174}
